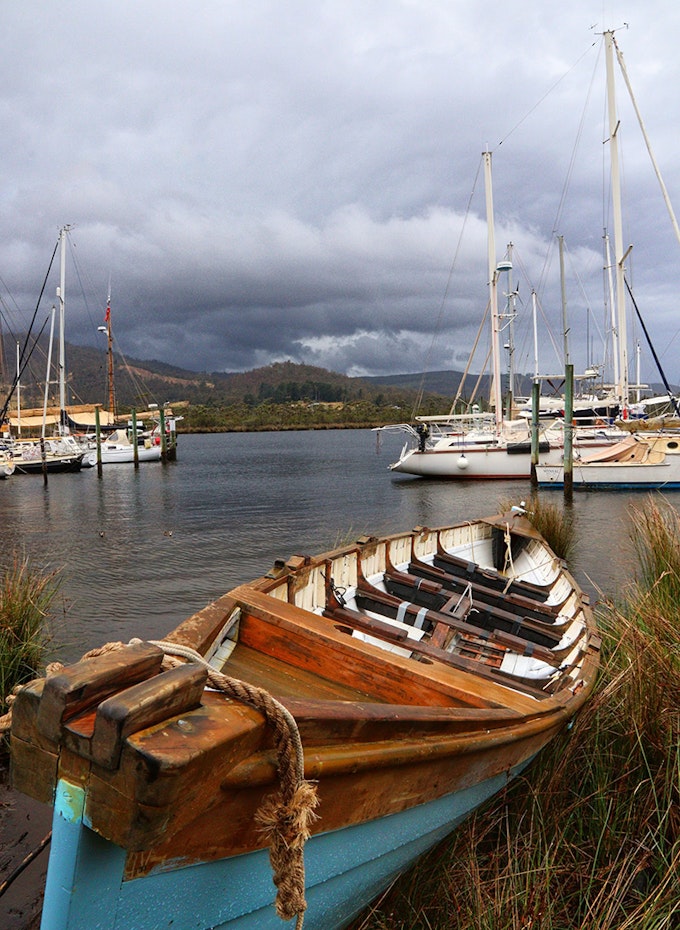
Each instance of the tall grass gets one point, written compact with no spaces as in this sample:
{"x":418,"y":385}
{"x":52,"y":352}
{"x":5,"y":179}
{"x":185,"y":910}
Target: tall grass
{"x":589,"y":837}
{"x":26,"y":596}
{"x":554,"y":522}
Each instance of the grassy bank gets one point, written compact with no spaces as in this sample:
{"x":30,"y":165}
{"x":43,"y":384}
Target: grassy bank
{"x":590,"y":836}
{"x":26,"y":596}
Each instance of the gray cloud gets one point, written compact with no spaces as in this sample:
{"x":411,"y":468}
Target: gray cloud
{"x":265,"y":181}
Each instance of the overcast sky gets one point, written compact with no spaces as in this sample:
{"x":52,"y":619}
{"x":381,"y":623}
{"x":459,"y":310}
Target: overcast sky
{"x":266,"y":180}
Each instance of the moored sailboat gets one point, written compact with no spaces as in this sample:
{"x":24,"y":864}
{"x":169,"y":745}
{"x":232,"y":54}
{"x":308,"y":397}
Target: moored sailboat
{"x":642,"y":461}
{"x":492,"y":446}
{"x":50,"y":453}
{"x":646,"y":459}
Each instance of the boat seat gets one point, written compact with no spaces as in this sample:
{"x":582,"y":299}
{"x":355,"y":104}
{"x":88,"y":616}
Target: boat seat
{"x":464,"y":568}
{"x":481,"y":615}
{"x":344,"y":617}
{"x":462,"y":618}
{"x":510,"y":600}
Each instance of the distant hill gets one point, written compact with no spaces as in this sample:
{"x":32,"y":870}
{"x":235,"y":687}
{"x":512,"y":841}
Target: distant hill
{"x":138,"y":382}
{"x":434,"y":382}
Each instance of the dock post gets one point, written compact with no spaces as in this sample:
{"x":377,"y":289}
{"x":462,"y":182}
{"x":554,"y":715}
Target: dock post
{"x":535,"y":393}
{"x":135,"y":454}
{"x":568,"y":431}
{"x":98,"y":435}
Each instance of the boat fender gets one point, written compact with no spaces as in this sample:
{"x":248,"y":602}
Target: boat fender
{"x":462,"y":462}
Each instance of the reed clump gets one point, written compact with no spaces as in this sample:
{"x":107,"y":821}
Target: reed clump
{"x":589,"y":837}
{"x":554,"y":522}
{"x":26,"y":597}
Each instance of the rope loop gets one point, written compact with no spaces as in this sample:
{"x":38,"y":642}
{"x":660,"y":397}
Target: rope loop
{"x":285,"y":817}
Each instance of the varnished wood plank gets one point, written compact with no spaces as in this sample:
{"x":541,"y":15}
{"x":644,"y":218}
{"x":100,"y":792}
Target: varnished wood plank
{"x":92,"y":680}
{"x":167,"y":695}
{"x":282,"y":680}
{"x":310,"y":641}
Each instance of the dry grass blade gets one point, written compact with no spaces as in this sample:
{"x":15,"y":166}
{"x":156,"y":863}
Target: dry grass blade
{"x":26,"y":596}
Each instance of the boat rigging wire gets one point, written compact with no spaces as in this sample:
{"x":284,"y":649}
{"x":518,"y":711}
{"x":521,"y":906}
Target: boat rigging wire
{"x":545,"y":95}
{"x":17,"y":376}
{"x":419,"y":397}
{"x":653,"y":351}
{"x":40,"y":296}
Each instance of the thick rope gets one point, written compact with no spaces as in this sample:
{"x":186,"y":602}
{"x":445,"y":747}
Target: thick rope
{"x":286,"y":817}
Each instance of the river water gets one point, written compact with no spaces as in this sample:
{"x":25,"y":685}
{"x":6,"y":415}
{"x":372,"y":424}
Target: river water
{"x":139,"y":550}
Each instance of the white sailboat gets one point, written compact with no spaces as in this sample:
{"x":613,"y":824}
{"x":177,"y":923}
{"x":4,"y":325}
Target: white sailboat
{"x":118,"y":449}
{"x":644,"y":460}
{"x":485,"y":446}
{"x":639,"y":462}
{"x":59,"y":453}
{"x":119,"y":446}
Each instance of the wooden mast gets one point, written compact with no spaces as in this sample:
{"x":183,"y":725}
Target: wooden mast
{"x":109,"y":355}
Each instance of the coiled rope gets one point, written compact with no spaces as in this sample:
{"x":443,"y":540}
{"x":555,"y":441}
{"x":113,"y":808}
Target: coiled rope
{"x":285,"y":818}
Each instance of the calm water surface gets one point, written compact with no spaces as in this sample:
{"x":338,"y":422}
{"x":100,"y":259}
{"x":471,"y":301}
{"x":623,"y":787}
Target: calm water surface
{"x":140,"y":550}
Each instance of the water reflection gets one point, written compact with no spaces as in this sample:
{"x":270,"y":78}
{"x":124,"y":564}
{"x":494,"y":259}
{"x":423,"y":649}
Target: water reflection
{"x":142,"y":549}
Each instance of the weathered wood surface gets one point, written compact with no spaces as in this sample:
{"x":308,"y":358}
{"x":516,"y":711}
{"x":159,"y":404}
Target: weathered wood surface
{"x":167,"y":695}
{"x":90,"y":681}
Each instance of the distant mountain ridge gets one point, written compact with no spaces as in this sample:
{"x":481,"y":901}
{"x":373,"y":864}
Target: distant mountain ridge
{"x":139,"y":382}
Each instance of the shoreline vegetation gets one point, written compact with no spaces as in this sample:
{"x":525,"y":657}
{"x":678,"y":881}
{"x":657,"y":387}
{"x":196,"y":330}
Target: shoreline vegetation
{"x":26,"y":599}
{"x":240,"y":418}
{"x":589,"y":836}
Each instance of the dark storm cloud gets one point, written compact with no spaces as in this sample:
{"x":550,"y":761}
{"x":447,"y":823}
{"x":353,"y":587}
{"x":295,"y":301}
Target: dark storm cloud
{"x":265,"y":181}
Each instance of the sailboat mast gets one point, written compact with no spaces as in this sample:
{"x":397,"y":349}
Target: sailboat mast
{"x":622,"y":385}
{"x":493,"y":295}
{"x":109,"y":342}
{"x":61,"y":296}
{"x":534,"y":317}
{"x":18,"y":391}
{"x":612,"y":309}
{"x":47,"y":376}
{"x":109,"y":354}
{"x":563,"y":289}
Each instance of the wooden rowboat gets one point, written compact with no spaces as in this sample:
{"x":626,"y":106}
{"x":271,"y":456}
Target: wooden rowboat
{"x":418,"y":673}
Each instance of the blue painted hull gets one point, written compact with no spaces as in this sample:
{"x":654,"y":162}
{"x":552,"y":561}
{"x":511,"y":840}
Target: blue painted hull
{"x":614,"y":485}
{"x":345,"y":871}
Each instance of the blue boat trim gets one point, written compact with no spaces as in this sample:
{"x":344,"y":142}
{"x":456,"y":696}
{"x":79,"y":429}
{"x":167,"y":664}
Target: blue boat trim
{"x":86,"y":889}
